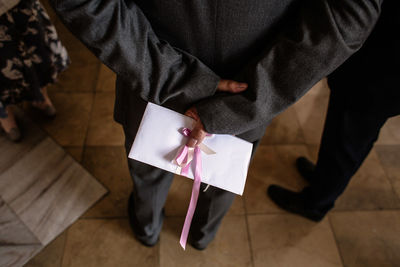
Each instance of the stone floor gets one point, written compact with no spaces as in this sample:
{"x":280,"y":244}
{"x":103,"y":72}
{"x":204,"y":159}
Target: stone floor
{"x":362,"y":230}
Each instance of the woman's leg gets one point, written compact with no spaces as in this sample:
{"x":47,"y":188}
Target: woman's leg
{"x":46,"y":105}
{"x":9,"y":124}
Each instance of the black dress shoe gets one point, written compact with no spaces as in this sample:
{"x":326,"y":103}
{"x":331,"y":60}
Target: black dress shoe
{"x":133,"y":223}
{"x":196,"y":245}
{"x":292,"y":202}
{"x":306,"y":168}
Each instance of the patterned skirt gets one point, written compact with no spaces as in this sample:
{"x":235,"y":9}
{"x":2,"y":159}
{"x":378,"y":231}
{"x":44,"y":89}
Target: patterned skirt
{"x":31,"y":55}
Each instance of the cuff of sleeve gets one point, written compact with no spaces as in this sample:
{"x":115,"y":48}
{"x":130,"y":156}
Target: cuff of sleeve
{"x":207,"y":85}
{"x":213,"y":117}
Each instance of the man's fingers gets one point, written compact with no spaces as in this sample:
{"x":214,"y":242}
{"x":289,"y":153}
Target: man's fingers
{"x":231,"y":86}
{"x":236,"y":87}
{"x":198,"y":133}
{"x":192,"y":113}
{"x":196,"y":136}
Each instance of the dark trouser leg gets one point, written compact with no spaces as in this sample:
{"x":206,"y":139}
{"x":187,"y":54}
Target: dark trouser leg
{"x":348,"y":137}
{"x":150,"y":190}
{"x":211,"y":207}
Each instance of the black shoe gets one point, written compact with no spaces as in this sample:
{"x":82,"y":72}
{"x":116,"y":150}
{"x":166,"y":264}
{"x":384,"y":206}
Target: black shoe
{"x":196,"y":245}
{"x":292,"y":202}
{"x":133,"y":223}
{"x":306,"y":168}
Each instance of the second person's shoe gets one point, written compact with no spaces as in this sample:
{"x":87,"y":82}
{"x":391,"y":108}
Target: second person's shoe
{"x":306,"y":168}
{"x":293,"y":202}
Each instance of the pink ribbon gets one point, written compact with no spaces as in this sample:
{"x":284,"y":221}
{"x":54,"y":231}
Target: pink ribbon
{"x":184,"y":159}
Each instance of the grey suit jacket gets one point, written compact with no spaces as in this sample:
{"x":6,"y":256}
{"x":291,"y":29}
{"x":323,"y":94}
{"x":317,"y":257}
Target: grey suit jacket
{"x":173,"y":52}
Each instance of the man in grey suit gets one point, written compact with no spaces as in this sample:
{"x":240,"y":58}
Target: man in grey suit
{"x":174,"y":52}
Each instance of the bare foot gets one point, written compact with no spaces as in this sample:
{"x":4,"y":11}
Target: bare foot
{"x":8,"y":123}
{"x":10,"y":126}
{"x":46,"y":105}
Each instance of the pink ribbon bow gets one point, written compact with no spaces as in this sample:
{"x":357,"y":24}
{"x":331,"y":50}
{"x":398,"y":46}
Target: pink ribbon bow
{"x":184,"y":160}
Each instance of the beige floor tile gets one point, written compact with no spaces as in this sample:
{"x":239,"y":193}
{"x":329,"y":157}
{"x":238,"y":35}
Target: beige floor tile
{"x":284,"y":129}
{"x":109,"y":166}
{"x":75,"y":152}
{"x":43,"y":185}
{"x":313,"y":152}
{"x":102,"y":243}
{"x":389,"y":156}
{"x":51,"y":255}
{"x":230,"y":247}
{"x":106,"y":80}
{"x":289,"y":240}
{"x":390,"y":132}
{"x":83,"y":57}
{"x":48,"y":190}
{"x":179,"y":197}
{"x":369,"y":189}
{"x":77,"y":78}
{"x":13,"y":231}
{"x":272,"y":165}
{"x":12,"y":152}
{"x":311,"y":111}
{"x":70,"y":125}
{"x":14,"y":256}
{"x":103,"y":130}
{"x":368,"y":238}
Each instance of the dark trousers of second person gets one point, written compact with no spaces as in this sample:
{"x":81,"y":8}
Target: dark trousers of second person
{"x":351,"y":128}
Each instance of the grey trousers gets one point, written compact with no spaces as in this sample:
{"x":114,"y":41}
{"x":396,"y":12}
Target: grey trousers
{"x":150,"y":190}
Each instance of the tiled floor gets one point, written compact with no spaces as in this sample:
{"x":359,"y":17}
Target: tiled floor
{"x":363,"y":230}
{"x":42,"y":192}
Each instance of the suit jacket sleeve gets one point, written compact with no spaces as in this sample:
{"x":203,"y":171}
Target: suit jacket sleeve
{"x":323,"y":34}
{"x":120,"y":35}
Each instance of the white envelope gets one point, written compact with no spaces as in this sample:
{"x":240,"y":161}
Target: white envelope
{"x":159,"y":138}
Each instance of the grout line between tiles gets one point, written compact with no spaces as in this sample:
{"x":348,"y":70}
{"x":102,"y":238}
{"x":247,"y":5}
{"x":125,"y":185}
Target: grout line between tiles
{"x":333,"y":211}
{"x":377,"y":210}
{"x":336,"y":240}
{"x":104,"y":146}
{"x":91,"y":111}
{"x":126,"y":217}
{"x":387,"y":174}
{"x":248,"y":232}
{"x":64,"y":245}
{"x":21,"y":245}
{"x":104,"y":218}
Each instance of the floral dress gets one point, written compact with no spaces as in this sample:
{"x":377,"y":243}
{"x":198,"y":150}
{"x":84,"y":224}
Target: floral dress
{"x":31,"y":55}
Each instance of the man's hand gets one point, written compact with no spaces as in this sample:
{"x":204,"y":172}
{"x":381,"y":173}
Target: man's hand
{"x":231,"y":86}
{"x":198,"y":133}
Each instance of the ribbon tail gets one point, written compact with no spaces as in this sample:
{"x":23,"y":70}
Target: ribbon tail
{"x":193,"y":199}
{"x":206,"y":149}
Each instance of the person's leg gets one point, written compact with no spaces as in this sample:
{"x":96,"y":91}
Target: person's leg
{"x":9,"y":124}
{"x":349,"y":134}
{"x":212,"y":206}
{"x":45,"y":104}
{"x":150,"y":190}
{"x":348,"y":137}
{"x":7,"y":119}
